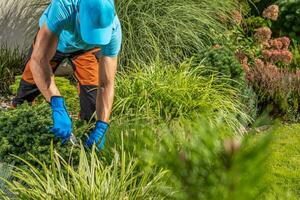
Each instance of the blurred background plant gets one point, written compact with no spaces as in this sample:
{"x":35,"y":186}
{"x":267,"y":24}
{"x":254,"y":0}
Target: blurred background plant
{"x":11,"y":62}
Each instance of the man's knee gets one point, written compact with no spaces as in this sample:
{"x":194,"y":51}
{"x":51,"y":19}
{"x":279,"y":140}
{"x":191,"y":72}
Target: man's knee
{"x":26,"y":92}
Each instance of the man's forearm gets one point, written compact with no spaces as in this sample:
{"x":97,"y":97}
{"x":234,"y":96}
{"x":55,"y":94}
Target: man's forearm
{"x":105,"y":97}
{"x":44,"y":78}
{"x":106,"y":88}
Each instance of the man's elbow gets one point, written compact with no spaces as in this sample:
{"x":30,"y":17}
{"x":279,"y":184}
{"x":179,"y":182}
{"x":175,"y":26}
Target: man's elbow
{"x":107,"y":85}
{"x":37,"y":62}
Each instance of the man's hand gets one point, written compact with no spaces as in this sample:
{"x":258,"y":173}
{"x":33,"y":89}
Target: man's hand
{"x":62,"y":125}
{"x":98,"y":135}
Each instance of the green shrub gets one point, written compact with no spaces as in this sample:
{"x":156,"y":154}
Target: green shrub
{"x":223,"y":61}
{"x":167,"y":92}
{"x":204,"y":166}
{"x":11,"y":63}
{"x":27,"y":129}
{"x":289,"y":22}
{"x":258,"y":6}
{"x":295,"y":49}
{"x":252,"y":23}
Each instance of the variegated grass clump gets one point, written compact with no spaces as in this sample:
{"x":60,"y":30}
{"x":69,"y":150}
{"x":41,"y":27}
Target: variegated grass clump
{"x":166,"y":92}
{"x":91,"y":179}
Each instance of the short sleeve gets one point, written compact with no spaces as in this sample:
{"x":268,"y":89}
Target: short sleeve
{"x":55,"y":17}
{"x":112,"y":49}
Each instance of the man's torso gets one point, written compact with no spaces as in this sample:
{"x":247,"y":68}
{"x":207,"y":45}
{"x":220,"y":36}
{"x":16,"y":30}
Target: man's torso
{"x":63,"y":14}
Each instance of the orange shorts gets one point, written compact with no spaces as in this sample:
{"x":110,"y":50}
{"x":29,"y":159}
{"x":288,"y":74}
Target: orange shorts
{"x":85,"y":65}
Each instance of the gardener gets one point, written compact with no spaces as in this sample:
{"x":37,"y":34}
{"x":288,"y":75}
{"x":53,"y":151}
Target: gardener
{"x":88,"y":34}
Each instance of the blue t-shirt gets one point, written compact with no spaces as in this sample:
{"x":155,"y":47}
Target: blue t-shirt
{"x":61,"y":18}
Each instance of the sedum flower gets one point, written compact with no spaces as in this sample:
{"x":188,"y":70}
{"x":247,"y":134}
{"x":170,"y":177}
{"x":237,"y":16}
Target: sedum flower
{"x":271,"y":12}
{"x":283,"y":56}
{"x":275,"y":44}
{"x":263,"y":34}
{"x":285,"y":42}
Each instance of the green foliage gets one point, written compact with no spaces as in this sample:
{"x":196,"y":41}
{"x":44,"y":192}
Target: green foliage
{"x":11,"y":63}
{"x":202,"y":167}
{"x":295,"y":49}
{"x":289,"y":19}
{"x":223,"y":61}
{"x":90,"y":180}
{"x":258,"y":6}
{"x":252,"y":23}
{"x":170,"y":30}
{"x":5,"y":173}
{"x":68,"y":90}
{"x":27,"y":129}
{"x":168,"y":92}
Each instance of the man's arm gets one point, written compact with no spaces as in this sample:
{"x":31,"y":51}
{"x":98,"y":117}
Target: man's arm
{"x":106,"y":88}
{"x":43,"y":51}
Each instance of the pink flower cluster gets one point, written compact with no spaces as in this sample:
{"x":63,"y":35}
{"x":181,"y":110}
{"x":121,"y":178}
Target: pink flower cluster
{"x":271,"y":12}
{"x":275,"y":50}
{"x":263,"y":34}
{"x":275,"y":56}
{"x":279,"y":43}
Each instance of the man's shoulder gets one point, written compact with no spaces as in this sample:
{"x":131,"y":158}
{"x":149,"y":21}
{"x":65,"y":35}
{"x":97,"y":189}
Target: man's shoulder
{"x":64,"y":2}
{"x":66,"y":6}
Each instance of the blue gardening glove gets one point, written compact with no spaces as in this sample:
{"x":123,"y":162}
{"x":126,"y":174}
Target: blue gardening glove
{"x":62,"y":125}
{"x":98,"y":135}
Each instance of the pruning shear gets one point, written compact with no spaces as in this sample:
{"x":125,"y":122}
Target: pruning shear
{"x":73,"y":140}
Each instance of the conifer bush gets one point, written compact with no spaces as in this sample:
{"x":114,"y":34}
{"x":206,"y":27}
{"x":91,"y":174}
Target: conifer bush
{"x":27,"y":130}
{"x":222,"y":60}
{"x":288,"y":22}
